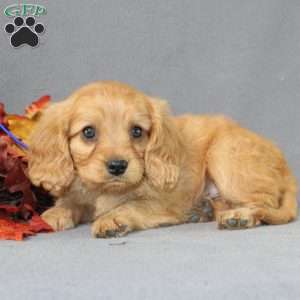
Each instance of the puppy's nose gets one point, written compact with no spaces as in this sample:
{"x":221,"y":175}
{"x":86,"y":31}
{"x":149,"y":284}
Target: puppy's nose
{"x":117,"y":167}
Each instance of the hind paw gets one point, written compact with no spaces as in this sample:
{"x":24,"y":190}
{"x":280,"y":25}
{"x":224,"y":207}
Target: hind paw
{"x":239,"y":218}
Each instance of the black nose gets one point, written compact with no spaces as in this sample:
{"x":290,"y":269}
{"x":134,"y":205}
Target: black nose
{"x":117,"y":167}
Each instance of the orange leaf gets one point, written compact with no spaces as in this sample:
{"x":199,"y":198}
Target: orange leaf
{"x":10,"y":230}
{"x":33,"y":110}
{"x":20,"y":126}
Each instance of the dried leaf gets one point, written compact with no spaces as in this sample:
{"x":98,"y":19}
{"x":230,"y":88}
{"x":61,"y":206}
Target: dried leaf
{"x":20,"y":126}
{"x":11,"y":230}
{"x":20,"y":202}
{"x":2,"y":113}
{"x":37,"y":106}
{"x":12,"y":148}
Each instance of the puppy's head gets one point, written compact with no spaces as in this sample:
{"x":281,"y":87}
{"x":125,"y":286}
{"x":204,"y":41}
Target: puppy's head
{"x":110,"y":135}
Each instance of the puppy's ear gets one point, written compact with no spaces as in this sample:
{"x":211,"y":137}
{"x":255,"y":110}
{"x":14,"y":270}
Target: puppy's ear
{"x":49,"y":161}
{"x":162,"y":155}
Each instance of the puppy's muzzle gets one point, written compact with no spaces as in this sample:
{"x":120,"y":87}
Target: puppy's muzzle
{"x":117,"y":167}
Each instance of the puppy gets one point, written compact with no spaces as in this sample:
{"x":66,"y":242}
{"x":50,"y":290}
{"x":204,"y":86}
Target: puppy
{"x":116,"y":157}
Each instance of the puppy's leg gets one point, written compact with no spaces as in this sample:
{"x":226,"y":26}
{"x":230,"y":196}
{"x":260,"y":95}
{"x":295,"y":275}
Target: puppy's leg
{"x":62,"y":217}
{"x":209,"y":205}
{"x":252,"y":175}
{"x":133,"y":215}
{"x":202,"y":211}
{"x":238,"y":218}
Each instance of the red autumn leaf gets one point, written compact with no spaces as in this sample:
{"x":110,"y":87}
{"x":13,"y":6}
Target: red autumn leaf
{"x":11,"y":230}
{"x":2,"y":113}
{"x":6,"y":161}
{"x":20,"y":202}
{"x":12,"y":149}
{"x":38,"y":224}
{"x":32,"y":110}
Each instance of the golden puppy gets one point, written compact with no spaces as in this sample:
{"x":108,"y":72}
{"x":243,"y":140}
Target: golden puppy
{"x":115,"y":156}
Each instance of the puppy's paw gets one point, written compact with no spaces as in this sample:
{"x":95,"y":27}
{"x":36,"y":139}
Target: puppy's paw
{"x":58,"y":218}
{"x":108,"y":227}
{"x":239,"y":218}
{"x":202,"y":212}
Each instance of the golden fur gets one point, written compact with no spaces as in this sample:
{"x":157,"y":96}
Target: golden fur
{"x":169,"y":166}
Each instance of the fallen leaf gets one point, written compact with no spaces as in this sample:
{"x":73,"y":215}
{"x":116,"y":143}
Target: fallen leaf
{"x":20,"y":202}
{"x":2,"y":113}
{"x":37,"y":106}
{"x":21,"y":127}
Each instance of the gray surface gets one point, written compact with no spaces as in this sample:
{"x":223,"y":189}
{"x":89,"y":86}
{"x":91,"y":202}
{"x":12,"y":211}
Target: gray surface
{"x":236,"y":57}
{"x":182,"y":262}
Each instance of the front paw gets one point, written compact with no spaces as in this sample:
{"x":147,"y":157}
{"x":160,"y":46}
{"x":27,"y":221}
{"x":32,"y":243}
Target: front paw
{"x":58,"y":218}
{"x":108,"y":227}
{"x":202,"y":212}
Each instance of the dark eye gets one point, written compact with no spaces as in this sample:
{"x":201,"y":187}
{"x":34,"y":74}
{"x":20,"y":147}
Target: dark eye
{"x":136,"y":132}
{"x":89,"y":132}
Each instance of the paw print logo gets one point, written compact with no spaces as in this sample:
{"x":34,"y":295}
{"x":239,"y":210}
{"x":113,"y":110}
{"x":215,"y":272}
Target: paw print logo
{"x":24,"y":32}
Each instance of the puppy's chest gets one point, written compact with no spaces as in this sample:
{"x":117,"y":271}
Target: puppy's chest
{"x":98,"y":202}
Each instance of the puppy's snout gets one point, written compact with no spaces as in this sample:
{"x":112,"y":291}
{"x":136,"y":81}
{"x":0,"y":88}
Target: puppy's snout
{"x":117,"y":167}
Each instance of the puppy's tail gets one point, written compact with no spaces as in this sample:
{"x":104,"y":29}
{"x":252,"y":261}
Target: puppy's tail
{"x":288,"y":209}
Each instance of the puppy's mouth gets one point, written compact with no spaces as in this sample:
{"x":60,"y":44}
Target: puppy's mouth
{"x":116,"y":181}
{"x":118,"y":184}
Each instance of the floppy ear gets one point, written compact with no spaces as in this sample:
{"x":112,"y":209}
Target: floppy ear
{"x":162,"y":157}
{"x":49,"y":161}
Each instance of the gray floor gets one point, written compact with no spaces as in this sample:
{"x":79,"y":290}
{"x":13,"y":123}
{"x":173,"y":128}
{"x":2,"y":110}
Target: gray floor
{"x":194,"y":261}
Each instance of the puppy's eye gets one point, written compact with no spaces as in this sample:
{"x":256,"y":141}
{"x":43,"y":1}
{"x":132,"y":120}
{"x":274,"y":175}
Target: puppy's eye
{"x":136,"y":132}
{"x":89,"y":132}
